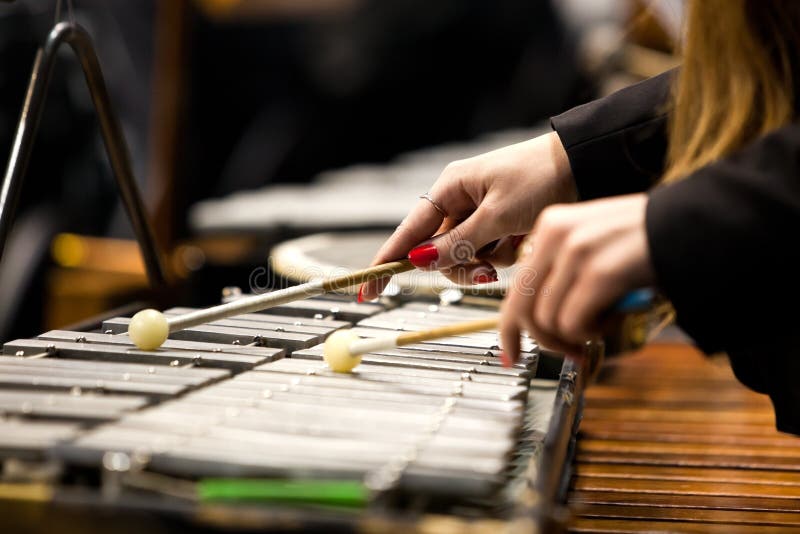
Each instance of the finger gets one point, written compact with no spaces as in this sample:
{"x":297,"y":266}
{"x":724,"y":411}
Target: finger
{"x":566,"y":265}
{"x":372,"y":289}
{"x":515,"y":316}
{"x":380,"y":285}
{"x":544,"y":338}
{"x":369,"y":291}
{"x":545,"y":245}
{"x":456,"y":246}
{"x":418,"y":226}
{"x":594,"y":292}
{"x":556,"y":344}
{"x":474,"y":272}
{"x":519,"y":304}
{"x":503,"y":255}
{"x":509,"y":337}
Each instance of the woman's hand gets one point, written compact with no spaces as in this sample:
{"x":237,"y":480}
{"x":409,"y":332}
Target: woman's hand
{"x":488,"y":198}
{"x":583,"y":258}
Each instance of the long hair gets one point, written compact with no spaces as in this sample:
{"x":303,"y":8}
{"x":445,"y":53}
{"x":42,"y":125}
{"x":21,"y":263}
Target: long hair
{"x":737,"y":80}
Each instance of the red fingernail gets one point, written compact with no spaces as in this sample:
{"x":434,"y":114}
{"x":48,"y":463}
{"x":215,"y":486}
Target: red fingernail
{"x":485,"y":278}
{"x":516,"y":241}
{"x":505,"y":359}
{"x":423,"y":255}
{"x":360,"y":294}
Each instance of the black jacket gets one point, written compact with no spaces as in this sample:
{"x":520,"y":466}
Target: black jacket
{"x":724,"y":241}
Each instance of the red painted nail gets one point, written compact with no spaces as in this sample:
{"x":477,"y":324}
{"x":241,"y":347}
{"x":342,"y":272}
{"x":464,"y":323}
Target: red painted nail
{"x":485,"y":278}
{"x":516,"y":241}
{"x":505,"y":359}
{"x":360,"y":294}
{"x":423,"y":255}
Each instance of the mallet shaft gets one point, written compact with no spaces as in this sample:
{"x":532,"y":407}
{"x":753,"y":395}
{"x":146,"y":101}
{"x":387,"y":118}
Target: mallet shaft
{"x":362,"y":346}
{"x":284,"y":296}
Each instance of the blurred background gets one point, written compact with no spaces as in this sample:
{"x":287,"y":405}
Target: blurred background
{"x":252,"y":122}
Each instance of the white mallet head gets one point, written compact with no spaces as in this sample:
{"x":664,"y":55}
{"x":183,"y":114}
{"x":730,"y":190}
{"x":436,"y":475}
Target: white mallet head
{"x":148,"y":329}
{"x":337,"y":351}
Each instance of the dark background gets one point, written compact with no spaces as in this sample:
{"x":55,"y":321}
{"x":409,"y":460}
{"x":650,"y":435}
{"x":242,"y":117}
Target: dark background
{"x":264,"y":100}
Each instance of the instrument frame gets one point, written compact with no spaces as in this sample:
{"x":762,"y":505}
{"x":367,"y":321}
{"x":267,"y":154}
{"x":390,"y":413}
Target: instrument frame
{"x":540,"y":505}
{"x":116,"y":148}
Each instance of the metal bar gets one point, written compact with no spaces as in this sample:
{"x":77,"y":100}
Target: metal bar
{"x":68,"y":406}
{"x":135,"y":370}
{"x":268,"y":353}
{"x":366,"y":371}
{"x":31,"y":439}
{"x":107,"y":372}
{"x":116,"y":149}
{"x":121,"y":353}
{"x":398,"y":358}
{"x":300,"y":417}
{"x":259,"y":317}
{"x":19,"y":382}
{"x":267,"y":326}
{"x":225,"y":334}
{"x":422,"y":386}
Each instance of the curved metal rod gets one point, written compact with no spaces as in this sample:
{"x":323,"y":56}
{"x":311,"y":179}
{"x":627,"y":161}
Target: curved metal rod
{"x":116,"y":149}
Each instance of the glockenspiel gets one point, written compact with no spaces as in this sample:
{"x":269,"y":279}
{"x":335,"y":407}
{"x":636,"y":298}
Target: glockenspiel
{"x":244,"y":412}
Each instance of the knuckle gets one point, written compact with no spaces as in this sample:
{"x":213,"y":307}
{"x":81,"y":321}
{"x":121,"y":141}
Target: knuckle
{"x":495,"y":214}
{"x":455,"y":168}
{"x":499,"y":214}
{"x":577,"y":246}
{"x":551,"y":219}
{"x":598,"y":272}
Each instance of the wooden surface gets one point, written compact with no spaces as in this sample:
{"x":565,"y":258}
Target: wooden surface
{"x":672,"y":442}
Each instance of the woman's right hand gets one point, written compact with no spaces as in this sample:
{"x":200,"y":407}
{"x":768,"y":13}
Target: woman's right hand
{"x":488,"y":198}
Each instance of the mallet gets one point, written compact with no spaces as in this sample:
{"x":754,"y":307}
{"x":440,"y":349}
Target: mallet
{"x":149,"y":328}
{"x":343,"y":348}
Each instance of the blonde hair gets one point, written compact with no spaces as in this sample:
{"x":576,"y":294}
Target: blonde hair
{"x":736,"y":82}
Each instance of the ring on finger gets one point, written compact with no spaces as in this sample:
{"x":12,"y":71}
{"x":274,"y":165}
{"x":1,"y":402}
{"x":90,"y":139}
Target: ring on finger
{"x":427,"y":197}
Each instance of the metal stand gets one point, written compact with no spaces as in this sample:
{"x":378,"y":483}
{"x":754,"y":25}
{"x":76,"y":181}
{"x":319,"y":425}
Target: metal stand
{"x":116,"y":149}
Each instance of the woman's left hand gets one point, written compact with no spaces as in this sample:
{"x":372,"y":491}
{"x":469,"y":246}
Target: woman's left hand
{"x":582,"y":259}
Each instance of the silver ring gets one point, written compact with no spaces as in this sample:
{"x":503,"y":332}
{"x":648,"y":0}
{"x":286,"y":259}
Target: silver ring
{"x":427,"y":197}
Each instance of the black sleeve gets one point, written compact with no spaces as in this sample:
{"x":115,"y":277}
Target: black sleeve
{"x":724,"y":241}
{"x":725,"y":248}
{"x":616,"y":145}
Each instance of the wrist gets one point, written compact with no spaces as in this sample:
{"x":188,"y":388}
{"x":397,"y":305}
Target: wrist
{"x":562,"y":171}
